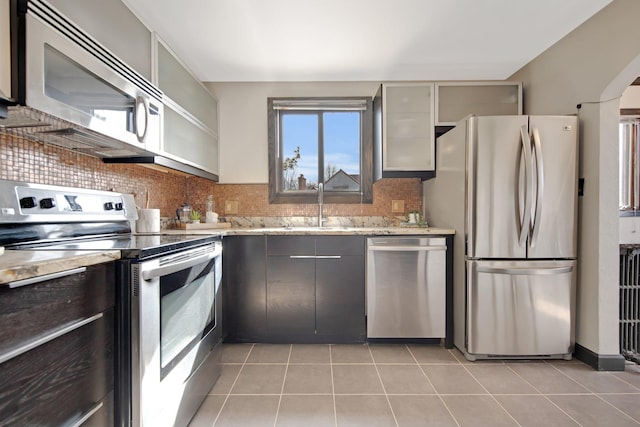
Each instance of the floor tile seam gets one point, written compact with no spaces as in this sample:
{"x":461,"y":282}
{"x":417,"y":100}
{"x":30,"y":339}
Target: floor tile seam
{"x":545,"y":396}
{"x":333,"y":387}
{"x":625,"y":381}
{"x":615,"y":393}
{"x":575,"y":380}
{"x":617,"y":409}
{"x":284,"y":380}
{"x":524,"y":379}
{"x":384,"y":389}
{"x":422,"y":370}
{"x":226,"y":399}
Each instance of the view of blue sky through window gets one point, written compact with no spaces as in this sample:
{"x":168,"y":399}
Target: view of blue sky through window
{"x":341,"y":145}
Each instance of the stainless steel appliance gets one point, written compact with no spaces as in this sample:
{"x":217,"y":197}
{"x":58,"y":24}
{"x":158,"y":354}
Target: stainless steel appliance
{"x":508,"y":186}
{"x":75,"y":93}
{"x":168,"y":306}
{"x":406,"y":287}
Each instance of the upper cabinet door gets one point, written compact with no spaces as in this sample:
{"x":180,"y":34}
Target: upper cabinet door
{"x":113,"y":25}
{"x":191,"y":113}
{"x":455,"y":101}
{"x":408,"y":132}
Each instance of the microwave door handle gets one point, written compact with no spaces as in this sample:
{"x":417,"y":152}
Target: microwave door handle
{"x":526,"y":152}
{"x":537,"y":218}
{"x":141,"y":118}
{"x":177,"y":266}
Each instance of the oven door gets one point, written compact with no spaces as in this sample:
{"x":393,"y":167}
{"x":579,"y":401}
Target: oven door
{"x":174,"y":322}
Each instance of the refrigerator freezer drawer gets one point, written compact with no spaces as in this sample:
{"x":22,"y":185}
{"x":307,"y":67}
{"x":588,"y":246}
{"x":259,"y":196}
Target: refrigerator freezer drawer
{"x":406,"y":287}
{"x":520,"y":308}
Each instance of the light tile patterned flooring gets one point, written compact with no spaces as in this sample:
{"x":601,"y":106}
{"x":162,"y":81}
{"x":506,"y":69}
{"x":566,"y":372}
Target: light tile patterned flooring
{"x":410,"y":385}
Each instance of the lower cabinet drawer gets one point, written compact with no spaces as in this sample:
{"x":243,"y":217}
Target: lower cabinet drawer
{"x":62,"y":381}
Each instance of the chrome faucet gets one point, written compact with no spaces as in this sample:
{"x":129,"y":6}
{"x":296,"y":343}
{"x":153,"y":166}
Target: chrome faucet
{"x":320,"y":203}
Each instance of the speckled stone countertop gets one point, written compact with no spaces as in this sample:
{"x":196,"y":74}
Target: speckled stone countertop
{"x":18,"y":265}
{"x":356,"y":231}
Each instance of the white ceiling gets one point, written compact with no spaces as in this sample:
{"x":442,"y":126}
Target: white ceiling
{"x":360,"y":40}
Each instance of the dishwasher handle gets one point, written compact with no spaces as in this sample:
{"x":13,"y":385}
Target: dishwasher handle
{"x":407,"y":248}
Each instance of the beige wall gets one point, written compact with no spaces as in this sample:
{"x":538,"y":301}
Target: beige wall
{"x":592,"y":66}
{"x":243,"y":122}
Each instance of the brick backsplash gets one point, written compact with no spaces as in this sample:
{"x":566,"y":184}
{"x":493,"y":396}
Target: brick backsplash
{"x":25,"y":160}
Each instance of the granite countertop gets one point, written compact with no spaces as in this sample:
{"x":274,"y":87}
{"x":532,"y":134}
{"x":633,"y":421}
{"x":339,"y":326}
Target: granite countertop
{"x":24,"y":264}
{"x":359,"y":231}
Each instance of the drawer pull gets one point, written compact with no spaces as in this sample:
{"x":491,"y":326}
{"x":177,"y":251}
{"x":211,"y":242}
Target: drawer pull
{"x":45,"y":339}
{"x":315,"y":256}
{"x":88,"y":414}
{"x":39,"y":279}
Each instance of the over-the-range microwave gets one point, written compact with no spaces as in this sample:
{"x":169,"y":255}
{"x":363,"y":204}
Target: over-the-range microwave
{"x":73,"y":92}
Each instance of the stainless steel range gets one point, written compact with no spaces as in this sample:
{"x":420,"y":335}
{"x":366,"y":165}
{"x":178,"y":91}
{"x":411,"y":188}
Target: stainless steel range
{"x":168,"y":294}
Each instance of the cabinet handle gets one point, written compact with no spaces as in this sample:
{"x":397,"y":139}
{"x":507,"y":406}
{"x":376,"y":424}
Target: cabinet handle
{"x":45,"y":339}
{"x":88,"y":414}
{"x":315,"y":256}
{"x":407,"y":248}
{"x":38,"y":279}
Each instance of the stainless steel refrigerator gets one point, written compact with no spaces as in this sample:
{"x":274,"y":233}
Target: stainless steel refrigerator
{"x":508,"y":186}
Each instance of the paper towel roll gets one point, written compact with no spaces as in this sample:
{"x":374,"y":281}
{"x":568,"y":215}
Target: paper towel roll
{"x":148,"y":221}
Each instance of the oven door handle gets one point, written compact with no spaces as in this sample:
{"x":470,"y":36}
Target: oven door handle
{"x":174,"y":267}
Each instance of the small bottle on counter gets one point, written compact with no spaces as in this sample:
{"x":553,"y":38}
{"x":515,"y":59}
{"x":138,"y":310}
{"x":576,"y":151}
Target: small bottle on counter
{"x":210,"y":215}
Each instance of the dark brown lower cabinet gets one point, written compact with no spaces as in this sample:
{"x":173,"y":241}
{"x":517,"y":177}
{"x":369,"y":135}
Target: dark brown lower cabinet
{"x":294,"y":289}
{"x":59,"y":372}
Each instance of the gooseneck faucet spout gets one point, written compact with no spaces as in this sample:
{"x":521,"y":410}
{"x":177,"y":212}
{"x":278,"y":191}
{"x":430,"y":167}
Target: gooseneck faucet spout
{"x":320,"y":203}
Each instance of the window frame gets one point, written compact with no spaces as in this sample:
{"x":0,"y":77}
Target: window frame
{"x":365,"y":195}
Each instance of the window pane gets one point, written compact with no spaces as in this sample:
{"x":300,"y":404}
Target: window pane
{"x":342,"y":151}
{"x":299,"y":151}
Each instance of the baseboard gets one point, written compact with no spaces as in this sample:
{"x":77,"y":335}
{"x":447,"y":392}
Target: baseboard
{"x":599,"y":362}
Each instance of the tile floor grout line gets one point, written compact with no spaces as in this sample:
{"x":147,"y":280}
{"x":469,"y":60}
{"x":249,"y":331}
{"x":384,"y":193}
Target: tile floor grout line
{"x":490,"y":394}
{"x":543,"y":394}
{"x":284,"y":380}
{"x":232,"y":386}
{"x":384,"y":389}
{"x":434,"y":387}
{"x":333,"y":387}
{"x":615,"y":407}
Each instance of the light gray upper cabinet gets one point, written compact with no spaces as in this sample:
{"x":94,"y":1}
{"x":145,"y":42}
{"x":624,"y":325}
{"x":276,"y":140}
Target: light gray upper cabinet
{"x":190,"y":114}
{"x":454,"y":101}
{"x":113,"y":25}
{"x":408,"y":127}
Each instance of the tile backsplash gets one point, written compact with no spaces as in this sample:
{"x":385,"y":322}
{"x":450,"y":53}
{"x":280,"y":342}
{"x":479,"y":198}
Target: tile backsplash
{"x":25,"y":160}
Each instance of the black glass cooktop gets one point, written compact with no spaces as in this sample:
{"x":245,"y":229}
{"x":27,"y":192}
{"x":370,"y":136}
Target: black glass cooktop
{"x":130,"y":245}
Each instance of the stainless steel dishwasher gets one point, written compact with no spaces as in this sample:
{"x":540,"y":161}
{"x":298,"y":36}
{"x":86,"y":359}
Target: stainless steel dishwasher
{"x":406,"y":287}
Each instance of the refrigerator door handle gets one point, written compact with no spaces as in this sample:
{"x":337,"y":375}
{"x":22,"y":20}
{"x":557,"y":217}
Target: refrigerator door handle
{"x":526,"y":152}
{"x":537,"y":218}
{"x":526,"y":271}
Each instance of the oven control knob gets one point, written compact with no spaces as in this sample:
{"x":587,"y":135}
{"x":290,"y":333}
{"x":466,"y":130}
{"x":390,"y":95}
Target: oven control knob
{"x":119,"y":206}
{"x":28,"y":202}
{"x":47,"y":203}
{"x":108,"y":206}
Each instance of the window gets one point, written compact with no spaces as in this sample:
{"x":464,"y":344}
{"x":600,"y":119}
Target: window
{"x":320,"y":140}
{"x":629,"y":167}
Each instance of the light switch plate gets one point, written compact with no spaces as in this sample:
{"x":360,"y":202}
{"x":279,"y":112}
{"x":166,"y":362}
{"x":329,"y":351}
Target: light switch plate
{"x":397,"y":206}
{"x":231,"y":207}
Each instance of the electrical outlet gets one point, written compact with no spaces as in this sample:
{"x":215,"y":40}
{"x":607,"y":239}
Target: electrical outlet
{"x":397,"y":206}
{"x":230,"y":207}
